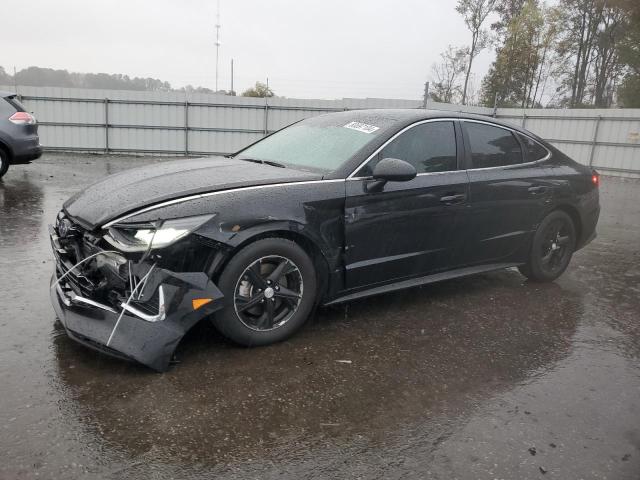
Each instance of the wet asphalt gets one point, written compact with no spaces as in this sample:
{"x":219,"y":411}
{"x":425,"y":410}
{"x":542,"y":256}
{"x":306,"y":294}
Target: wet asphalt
{"x":487,"y":377}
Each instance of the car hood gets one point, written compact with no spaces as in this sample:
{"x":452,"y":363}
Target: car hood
{"x":141,"y":187}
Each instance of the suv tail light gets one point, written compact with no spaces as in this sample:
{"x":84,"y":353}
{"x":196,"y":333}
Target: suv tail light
{"x":595,"y":178}
{"x":22,"y":118}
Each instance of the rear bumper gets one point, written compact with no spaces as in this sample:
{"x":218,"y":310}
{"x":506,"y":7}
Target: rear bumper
{"x":589,"y":222}
{"x":126,"y":335}
{"x":26,"y":149}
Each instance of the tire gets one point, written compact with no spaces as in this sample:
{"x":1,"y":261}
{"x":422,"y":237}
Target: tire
{"x":265,"y":306}
{"x":552,"y":248}
{"x":4,"y":162}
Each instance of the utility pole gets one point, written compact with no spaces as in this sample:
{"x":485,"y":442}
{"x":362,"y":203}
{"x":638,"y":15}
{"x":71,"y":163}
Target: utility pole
{"x":217,"y":43}
{"x":232,"y":90}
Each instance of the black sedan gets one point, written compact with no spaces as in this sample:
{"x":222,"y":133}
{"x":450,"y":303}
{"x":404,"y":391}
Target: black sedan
{"x":330,"y":209}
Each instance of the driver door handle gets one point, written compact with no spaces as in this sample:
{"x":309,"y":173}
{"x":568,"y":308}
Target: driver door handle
{"x":537,"y":190}
{"x":453,"y":199}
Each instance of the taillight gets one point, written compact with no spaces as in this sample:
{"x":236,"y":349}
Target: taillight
{"x":595,"y":178}
{"x":22,"y":118}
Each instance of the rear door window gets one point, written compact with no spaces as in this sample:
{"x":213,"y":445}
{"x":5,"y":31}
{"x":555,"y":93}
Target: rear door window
{"x":492,"y":146}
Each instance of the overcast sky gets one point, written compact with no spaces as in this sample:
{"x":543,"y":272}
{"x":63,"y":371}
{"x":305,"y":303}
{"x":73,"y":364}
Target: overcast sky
{"x":308,"y":49}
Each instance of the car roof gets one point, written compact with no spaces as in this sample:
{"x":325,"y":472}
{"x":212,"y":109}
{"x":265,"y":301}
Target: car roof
{"x":394,"y":120}
{"x":4,"y":93}
{"x":405,"y":116}
{"x":417,"y":114}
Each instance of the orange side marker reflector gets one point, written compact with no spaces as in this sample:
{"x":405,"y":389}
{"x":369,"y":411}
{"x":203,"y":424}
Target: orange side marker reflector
{"x":200,"y":302}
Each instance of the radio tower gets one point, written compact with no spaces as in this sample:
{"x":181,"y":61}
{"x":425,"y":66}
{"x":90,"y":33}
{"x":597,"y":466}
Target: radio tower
{"x":217,"y":42}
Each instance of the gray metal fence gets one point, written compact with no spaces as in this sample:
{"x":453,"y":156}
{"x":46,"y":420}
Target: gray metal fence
{"x":606,"y":139}
{"x":109,"y":121}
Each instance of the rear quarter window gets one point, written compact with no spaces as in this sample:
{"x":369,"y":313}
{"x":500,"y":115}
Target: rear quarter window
{"x":15,"y":103}
{"x":533,"y":151}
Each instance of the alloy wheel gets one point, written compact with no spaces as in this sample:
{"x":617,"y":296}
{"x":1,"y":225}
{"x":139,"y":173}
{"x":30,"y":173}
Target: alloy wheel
{"x":555,"y":249}
{"x":268,"y":293}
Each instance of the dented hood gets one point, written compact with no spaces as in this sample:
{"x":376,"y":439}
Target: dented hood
{"x":131,"y":190}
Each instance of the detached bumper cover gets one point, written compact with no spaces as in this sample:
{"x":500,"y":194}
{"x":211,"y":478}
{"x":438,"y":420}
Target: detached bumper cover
{"x":150,"y":343}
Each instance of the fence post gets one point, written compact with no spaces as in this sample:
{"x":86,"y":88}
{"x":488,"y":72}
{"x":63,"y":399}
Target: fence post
{"x":524,"y":119}
{"x":594,"y":142}
{"x":186,"y":128}
{"x":425,"y":101}
{"x":495,"y":105}
{"x":106,"y":125}
{"x":266,"y":116}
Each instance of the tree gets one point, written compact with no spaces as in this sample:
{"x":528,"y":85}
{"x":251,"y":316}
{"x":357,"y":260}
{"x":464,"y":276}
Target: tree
{"x":36,"y":76}
{"x":524,"y":60}
{"x":475,"y":13}
{"x":5,"y":78}
{"x":191,"y":89}
{"x":507,"y":10}
{"x":606,"y":65}
{"x":581,"y":18}
{"x":41,"y":77}
{"x":629,"y":92}
{"x":259,"y":90}
{"x":629,"y":55}
{"x":446,"y":75}
{"x":593,"y":31}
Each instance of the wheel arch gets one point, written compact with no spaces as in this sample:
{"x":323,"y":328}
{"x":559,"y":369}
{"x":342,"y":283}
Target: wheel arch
{"x":4,"y":146}
{"x":575,"y":218}
{"x":310,"y":246}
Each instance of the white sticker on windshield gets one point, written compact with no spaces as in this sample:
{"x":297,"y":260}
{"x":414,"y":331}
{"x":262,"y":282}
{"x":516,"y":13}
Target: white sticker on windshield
{"x":361,"y":127}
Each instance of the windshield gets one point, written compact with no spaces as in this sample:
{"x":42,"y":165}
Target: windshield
{"x":320,"y":143}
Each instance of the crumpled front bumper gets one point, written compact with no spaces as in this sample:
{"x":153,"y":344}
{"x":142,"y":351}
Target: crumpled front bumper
{"x":150,"y":343}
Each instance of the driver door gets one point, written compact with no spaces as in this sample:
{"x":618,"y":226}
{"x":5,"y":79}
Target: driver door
{"x":411,"y":228}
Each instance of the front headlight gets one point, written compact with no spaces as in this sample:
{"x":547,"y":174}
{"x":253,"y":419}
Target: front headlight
{"x":136,"y":237}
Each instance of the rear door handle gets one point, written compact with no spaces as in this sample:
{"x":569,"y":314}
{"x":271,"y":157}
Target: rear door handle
{"x":537,"y":190}
{"x":453,"y":199}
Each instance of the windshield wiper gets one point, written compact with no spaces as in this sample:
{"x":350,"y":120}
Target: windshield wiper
{"x":264,"y":162}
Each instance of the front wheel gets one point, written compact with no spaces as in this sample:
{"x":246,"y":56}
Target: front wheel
{"x":270,"y":291}
{"x":552,"y":247}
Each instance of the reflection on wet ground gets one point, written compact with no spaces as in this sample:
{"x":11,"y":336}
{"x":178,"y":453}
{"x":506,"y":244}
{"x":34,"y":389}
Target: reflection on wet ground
{"x":484,"y":377}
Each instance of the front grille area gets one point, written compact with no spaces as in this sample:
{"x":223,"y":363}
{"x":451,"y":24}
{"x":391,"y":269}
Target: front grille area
{"x":78,"y":282}
{"x":94,"y":279}
{"x":110,"y":279}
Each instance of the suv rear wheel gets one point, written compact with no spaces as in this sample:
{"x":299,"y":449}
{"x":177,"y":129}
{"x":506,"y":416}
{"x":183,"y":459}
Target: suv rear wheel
{"x":4,"y":162}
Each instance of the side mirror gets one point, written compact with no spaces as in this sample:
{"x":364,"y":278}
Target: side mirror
{"x":394,"y":170}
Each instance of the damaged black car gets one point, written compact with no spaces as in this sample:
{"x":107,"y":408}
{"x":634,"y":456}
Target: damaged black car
{"x":330,"y":209}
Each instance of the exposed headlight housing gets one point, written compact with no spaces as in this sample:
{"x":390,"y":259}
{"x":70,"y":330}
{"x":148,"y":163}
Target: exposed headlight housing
{"x":140,"y":237}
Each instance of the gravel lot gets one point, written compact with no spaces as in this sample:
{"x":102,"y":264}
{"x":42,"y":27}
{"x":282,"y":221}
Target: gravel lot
{"x":480,"y":378}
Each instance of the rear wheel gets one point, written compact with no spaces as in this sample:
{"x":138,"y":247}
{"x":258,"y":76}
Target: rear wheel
{"x":552,"y":248}
{"x":4,"y":162}
{"x":270,"y":290}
